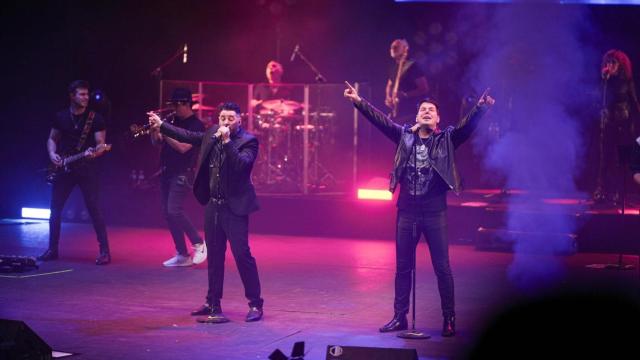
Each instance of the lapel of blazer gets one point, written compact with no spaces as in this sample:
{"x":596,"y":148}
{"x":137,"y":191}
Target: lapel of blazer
{"x":207,"y":144}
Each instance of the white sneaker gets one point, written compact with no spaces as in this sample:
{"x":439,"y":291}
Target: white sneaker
{"x":199,"y":253}
{"x":178,"y":260}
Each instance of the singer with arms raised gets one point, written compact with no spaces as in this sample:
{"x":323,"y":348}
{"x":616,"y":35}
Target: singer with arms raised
{"x":177,"y":160}
{"x":424,"y":167}
{"x":223,"y":185}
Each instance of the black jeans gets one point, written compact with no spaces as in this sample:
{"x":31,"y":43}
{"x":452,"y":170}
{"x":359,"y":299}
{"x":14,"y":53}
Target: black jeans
{"x":174,"y":190}
{"x":221,"y":224}
{"x":433,"y":225}
{"x":88,"y":181}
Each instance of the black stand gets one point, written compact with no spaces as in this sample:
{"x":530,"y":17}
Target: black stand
{"x":624,"y":154}
{"x":413,"y":333}
{"x":157,"y":72}
{"x":599,"y":193}
{"x":319,"y":78}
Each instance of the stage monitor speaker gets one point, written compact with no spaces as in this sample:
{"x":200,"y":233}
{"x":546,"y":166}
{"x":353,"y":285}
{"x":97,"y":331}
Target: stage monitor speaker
{"x":337,"y":352}
{"x":18,"y":341}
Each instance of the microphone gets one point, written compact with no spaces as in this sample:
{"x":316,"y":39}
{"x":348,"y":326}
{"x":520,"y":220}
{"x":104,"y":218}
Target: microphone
{"x":605,"y":72}
{"x":217,"y":134}
{"x":295,"y":51}
{"x":184,"y":53}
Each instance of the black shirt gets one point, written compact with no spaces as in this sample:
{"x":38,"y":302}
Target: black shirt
{"x":71,"y":126}
{"x":174,"y":162}
{"x":430,"y":188}
{"x":270,"y":92}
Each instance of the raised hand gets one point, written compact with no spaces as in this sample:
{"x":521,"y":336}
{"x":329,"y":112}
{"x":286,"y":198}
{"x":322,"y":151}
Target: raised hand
{"x":485,"y":99}
{"x":351,"y":93}
{"x":154,"y":120}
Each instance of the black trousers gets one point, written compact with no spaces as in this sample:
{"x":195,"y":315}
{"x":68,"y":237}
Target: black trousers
{"x":433,"y":225}
{"x":174,"y":190}
{"x":221,"y":225}
{"x":618,"y":131}
{"x":88,"y":181}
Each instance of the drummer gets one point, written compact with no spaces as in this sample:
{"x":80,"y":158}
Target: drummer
{"x":264,"y":94}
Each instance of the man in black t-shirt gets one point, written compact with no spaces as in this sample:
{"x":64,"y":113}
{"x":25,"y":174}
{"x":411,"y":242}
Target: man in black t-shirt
{"x":68,"y":136}
{"x":177,"y":161}
{"x":411,"y":82}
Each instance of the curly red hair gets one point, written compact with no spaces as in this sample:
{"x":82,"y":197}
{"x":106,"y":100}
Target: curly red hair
{"x":621,"y":58}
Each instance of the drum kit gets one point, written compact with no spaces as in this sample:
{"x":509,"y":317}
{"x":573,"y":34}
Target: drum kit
{"x":279,"y":126}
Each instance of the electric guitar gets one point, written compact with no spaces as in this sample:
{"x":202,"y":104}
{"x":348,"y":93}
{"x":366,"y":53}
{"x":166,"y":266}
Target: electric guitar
{"x":394,"y":90}
{"x":54,"y":171}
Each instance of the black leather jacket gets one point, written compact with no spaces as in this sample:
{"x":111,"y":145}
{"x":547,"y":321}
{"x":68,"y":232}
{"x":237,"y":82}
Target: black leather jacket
{"x":441,"y":153}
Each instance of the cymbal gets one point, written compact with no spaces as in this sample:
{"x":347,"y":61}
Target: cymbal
{"x":281,"y":106}
{"x":197,"y":107}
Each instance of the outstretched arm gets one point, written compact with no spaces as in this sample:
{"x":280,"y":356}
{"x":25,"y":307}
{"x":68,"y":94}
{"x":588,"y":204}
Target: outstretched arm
{"x":177,"y":133}
{"x":469,"y":123}
{"x":392,"y":130}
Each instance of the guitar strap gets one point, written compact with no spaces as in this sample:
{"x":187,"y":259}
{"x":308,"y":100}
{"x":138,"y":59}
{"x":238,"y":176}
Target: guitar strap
{"x":85,"y":130}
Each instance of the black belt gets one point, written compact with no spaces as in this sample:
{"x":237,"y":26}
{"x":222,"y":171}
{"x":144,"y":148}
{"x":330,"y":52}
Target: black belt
{"x":218,"y":201}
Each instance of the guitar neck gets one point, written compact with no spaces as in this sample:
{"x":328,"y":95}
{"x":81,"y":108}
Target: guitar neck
{"x":73,"y":158}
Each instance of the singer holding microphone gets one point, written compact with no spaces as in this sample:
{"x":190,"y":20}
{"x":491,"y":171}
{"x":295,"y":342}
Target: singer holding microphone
{"x":617,"y":128}
{"x":425,"y":169}
{"x":223,"y":185}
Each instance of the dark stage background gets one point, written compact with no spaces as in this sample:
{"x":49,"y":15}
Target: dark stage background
{"x":116,"y":44}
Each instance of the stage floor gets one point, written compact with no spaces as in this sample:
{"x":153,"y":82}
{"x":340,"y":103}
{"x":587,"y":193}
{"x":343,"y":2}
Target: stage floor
{"x":322,"y":291}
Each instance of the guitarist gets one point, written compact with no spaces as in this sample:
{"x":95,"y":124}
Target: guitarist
{"x":406,"y":84}
{"x":76,"y":130}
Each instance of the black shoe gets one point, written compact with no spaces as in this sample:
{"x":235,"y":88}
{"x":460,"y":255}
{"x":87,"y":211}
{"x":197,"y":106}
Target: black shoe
{"x":399,"y":322}
{"x":103,"y":259}
{"x":206,"y":309}
{"x":50,"y":254}
{"x":255,"y":313}
{"x":449,"y":326}
{"x":215,"y":317}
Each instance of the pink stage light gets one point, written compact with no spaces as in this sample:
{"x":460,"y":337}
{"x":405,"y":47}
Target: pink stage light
{"x":374,"y":194}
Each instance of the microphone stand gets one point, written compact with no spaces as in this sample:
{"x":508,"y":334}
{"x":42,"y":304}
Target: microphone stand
{"x":413,"y":333}
{"x":319,"y":78}
{"x":599,"y":194}
{"x":157,"y":72}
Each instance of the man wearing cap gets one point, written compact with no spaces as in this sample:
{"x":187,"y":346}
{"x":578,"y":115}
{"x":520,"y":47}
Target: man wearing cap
{"x":177,"y":160}
{"x":223,"y":185}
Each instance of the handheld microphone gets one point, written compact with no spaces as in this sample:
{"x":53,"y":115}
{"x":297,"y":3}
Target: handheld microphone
{"x":218,"y":134}
{"x":184,"y":53}
{"x":295,"y":51}
{"x":605,"y":72}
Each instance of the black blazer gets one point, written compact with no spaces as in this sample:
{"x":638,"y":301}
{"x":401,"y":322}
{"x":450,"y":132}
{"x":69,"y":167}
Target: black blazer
{"x":235,"y":173}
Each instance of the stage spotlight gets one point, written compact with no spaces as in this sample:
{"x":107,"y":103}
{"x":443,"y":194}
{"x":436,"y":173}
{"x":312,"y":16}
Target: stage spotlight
{"x":33,"y":213}
{"x":99,"y":101}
